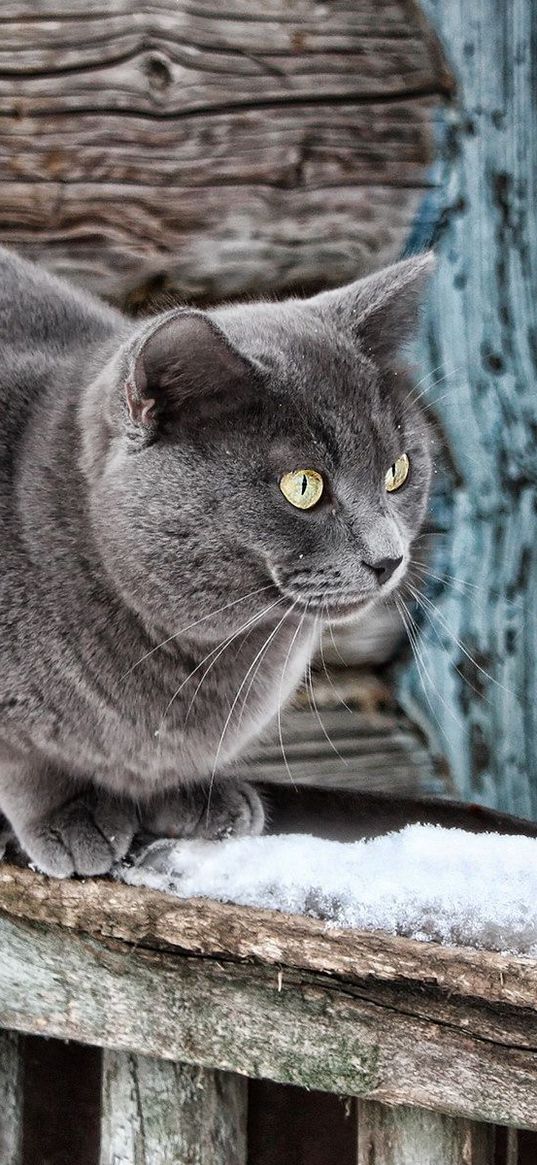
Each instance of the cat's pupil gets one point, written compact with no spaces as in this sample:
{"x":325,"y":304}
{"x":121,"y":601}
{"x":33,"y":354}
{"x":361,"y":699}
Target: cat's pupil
{"x":304,"y":484}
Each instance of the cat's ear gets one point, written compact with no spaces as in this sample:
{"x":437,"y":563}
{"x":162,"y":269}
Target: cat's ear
{"x":382,"y":309}
{"x":185,"y":361}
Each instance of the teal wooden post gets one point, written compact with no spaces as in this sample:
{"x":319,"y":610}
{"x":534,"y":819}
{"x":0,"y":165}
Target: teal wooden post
{"x":481,"y":332}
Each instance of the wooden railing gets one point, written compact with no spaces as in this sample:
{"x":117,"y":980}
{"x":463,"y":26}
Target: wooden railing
{"x":189,"y":997}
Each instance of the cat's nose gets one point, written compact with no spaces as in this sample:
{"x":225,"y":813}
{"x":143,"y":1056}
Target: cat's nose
{"x":384,"y":567}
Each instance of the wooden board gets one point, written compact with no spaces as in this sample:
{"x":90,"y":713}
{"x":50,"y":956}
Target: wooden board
{"x":158,"y":1113}
{"x":410,"y":1136}
{"x":479,"y":638}
{"x":156,"y":145}
{"x":350,"y":734}
{"x":260,"y":993}
{"x":11,"y":1083}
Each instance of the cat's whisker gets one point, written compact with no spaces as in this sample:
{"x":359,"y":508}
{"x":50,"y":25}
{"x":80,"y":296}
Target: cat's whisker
{"x":217,"y":652}
{"x":451,"y":580}
{"x":412,"y":400}
{"x":411,"y":630}
{"x":442,"y":645}
{"x":334,"y":644}
{"x":315,"y":709}
{"x":327,"y":673}
{"x":183,"y":630}
{"x":422,"y":380}
{"x":252,"y":681}
{"x":421,"y":599}
{"x":237,"y":696}
{"x":280,"y":695}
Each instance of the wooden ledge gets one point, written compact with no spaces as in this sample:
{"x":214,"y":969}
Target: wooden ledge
{"x":265,"y":994}
{"x":155,"y":920}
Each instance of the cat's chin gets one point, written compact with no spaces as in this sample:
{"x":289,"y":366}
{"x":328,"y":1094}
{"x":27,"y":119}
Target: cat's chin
{"x":339,"y":612}
{"x":346,"y":612}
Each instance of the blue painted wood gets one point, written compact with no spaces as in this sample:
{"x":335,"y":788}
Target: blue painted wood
{"x":481,"y":333}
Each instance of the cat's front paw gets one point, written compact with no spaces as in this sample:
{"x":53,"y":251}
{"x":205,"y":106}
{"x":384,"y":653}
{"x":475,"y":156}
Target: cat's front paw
{"x":85,"y":836}
{"x":230,"y":809}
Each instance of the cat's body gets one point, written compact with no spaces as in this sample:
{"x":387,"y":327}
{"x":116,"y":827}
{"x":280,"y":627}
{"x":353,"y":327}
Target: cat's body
{"x":135,"y":501}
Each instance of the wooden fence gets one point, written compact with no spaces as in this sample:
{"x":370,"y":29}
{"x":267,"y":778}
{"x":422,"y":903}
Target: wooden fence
{"x":209,"y":152}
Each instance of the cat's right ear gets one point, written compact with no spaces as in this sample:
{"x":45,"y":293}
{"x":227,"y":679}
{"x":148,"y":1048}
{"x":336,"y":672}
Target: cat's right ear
{"x":185,"y":363}
{"x":382,"y":309}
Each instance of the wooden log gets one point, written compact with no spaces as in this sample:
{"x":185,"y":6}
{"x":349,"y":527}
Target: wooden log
{"x":479,"y":642}
{"x":387,"y":1019}
{"x":11,"y":1099}
{"x":411,"y":1136}
{"x":213,"y":151}
{"x":159,"y":1113}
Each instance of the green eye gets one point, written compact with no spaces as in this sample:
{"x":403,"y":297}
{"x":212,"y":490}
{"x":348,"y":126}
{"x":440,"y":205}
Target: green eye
{"x":397,"y":473}
{"x":302,"y":487}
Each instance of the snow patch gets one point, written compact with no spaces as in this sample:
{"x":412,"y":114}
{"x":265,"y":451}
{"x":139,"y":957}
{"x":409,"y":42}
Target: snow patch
{"x":425,"y":882}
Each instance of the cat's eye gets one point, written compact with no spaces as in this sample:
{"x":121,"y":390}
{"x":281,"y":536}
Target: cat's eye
{"x":302,"y":487}
{"x":397,"y":474}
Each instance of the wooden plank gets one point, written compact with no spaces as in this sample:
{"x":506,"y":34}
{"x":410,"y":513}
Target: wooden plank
{"x":393,"y":1041}
{"x":355,"y":737}
{"x":480,"y":332}
{"x":11,"y":1099}
{"x":115,"y":239}
{"x":155,"y":1112}
{"x":511,"y":1149}
{"x":289,"y":146}
{"x":142,"y":917}
{"x":411,"y":1136}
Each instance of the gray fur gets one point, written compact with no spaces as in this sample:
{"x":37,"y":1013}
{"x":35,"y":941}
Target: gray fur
{"x":139,"y":470}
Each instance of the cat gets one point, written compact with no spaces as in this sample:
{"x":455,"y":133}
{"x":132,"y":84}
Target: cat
{"x":183,"y":502}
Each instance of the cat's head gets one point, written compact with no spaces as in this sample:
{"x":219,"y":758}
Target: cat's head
{"x":267,"y":445}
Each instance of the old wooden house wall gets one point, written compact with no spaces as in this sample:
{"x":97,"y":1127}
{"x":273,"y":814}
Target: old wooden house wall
{"x":213,"y":149}
{"x":478,"y":643}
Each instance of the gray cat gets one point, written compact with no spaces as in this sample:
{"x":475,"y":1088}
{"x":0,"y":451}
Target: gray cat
{"x":183,"y":503}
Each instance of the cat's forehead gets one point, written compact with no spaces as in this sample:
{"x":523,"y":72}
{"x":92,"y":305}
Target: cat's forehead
{"x":305,"y":359}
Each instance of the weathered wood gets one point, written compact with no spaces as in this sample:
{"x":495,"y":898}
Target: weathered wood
{"x":159,"y":1113}
{"x":481,"y":328}
{"x":411,"y":1136}
{"x":11,"y":1084}
{"x":511,"y":1149}
{"x":354,"y":737}
{"x":143,"y":917}
{"x":289,"y":145}
{"x":454,"y":1031}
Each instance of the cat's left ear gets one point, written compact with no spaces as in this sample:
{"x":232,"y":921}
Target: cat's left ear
{"x":185,"y":363}
{"x":382,"y":309}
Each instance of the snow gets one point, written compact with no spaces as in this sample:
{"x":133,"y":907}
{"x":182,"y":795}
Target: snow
{"x":424,"y":882}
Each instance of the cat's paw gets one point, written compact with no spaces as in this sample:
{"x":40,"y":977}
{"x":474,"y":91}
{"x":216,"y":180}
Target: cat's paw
{"x":85,"y":837}
{"x":232,"y":809}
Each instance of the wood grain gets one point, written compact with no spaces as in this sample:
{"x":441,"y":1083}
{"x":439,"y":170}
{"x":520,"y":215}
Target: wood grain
{"x":372,"y":747}
{"x":11,"y":1079}
{"x":159,"y":1113}
{"x":270,"y":996}
{"x":141,"y":916}
{"x":165,"y":146}
{"x":479,"y":641}
{"x":410,"y":1136}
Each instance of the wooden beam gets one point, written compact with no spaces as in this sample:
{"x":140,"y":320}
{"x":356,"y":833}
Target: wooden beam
{"x":421,"y":1039}
{"x":478,"y":641}
{"x":155,"y":1112}
{"x":11,"y":1098}
{"x":139,"y":916}
{"x":411,"y":1136}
